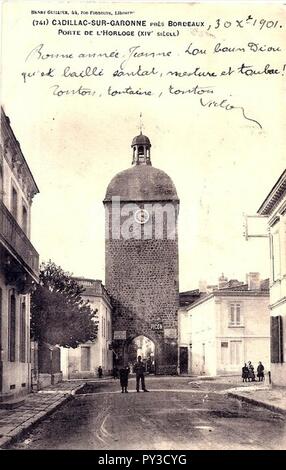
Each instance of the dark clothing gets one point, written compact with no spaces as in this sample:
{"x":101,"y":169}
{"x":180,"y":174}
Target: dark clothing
{"x":139,"y":370}
{"x":99,"y":370}
{"x":138,"y":378}
{"x":251,"y":375}
{"x":244,"y":374}
{"x":260,"y":372}
{"x":123,"y":373}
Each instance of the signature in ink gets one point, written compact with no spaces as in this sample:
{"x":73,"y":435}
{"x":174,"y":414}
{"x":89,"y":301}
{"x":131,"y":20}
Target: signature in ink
{"x":224,"y":104}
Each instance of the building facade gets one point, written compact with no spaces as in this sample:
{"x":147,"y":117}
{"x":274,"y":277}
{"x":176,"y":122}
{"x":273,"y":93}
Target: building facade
{"x":19,"y":265}
{"x":141,"y":257}
{"x":185,"y":330}
{"x":274,"y":208}
{"x":228,"y":327}
{"x":184,"y":341}
{"x":83,"y":361}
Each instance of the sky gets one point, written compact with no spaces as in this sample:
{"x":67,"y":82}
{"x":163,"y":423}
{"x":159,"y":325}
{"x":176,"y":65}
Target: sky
{"x":221,"y":164}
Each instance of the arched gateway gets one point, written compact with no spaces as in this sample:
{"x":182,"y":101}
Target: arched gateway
{"x":141,"y":257}
{"x":141,"y":346}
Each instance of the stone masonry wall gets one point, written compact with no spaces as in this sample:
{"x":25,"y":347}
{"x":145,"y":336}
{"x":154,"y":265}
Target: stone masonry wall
{"x":142,"y":279}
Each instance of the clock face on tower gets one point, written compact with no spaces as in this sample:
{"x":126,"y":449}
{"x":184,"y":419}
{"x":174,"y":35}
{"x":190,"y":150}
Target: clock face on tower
{"x":141,"y":216}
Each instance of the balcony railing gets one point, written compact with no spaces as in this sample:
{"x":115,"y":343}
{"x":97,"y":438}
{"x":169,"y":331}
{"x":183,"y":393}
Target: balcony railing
{"x":14,"y":236}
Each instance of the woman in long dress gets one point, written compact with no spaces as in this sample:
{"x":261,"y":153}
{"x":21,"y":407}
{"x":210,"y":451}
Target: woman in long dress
{"x":251,"y":375}
{"x":244,"y":374}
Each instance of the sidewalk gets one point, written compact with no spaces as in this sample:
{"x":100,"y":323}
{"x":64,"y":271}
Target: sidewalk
{"x":37,"y":406}
{"x":266,"y":396}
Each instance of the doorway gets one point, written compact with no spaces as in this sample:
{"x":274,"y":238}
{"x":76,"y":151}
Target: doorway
{"x":144,"y":347}
{"x":184,"y":360}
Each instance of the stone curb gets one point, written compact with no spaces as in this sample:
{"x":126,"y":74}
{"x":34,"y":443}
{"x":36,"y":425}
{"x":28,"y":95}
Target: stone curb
{"x":252,"y":401}
{"x":17,"y":432}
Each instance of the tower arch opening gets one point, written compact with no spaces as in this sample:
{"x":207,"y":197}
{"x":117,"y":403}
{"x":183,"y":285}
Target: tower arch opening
{"x":141,"y":346}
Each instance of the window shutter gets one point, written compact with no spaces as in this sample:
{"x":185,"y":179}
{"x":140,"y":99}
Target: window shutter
{"x":238,"y":319}
{"x":276,"y":339}
{"x":0,"y":322}
{"x":12,"y":327}
{"x":231,"y":314}
{"x":23,"y":333}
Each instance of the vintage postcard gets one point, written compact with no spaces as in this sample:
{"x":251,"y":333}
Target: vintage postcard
{"x":143,"y":227}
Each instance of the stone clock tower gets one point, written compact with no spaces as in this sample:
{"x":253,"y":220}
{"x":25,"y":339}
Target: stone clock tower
{"x":141,"y":257}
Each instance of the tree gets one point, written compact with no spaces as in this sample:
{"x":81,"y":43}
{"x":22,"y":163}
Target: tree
{"x":59,"y":315}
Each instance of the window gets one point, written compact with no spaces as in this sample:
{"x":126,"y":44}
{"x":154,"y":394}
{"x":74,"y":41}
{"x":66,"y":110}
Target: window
{"x":235,"y":316}
{"x":275,"y":256}
{"x":235,"y":352}
{"x":85,"y":358}
{"x":25,"y":219}
{"x":14,"y":203}
{"x":23,"y":330}
{"x":141,"y":154}
{"x":277,"y":339}
{"x":12,"y":327}
{"x":108,"y":330}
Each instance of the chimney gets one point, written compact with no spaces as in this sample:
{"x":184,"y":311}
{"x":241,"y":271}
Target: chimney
{"x":253,"y":281}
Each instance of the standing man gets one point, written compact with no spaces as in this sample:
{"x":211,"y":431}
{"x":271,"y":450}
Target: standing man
{"x":139,"y":370}
{"x":260,"y":371}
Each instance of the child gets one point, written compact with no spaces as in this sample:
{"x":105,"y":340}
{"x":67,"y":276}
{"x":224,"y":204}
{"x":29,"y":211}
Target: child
{"x":124,"y":378}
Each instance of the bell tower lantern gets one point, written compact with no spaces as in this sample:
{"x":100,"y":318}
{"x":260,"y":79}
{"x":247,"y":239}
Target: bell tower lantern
{"x":141,"y":150}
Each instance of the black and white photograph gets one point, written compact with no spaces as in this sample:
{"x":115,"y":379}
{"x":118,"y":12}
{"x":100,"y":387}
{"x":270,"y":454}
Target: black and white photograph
{"x":142,"y":228}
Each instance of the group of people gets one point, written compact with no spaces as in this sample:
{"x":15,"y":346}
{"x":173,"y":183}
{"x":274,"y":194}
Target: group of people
{"x":248,"y":374}
{"x":139,"y":369}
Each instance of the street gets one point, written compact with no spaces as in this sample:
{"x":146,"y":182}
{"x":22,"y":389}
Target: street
{"x":176,"y":414}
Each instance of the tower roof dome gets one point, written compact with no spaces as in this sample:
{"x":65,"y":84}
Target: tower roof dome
{"x":141,"y":139}
{"x":141,"y":183}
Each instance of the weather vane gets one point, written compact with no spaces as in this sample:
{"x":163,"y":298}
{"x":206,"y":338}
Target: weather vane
{"x":141,"y":126}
